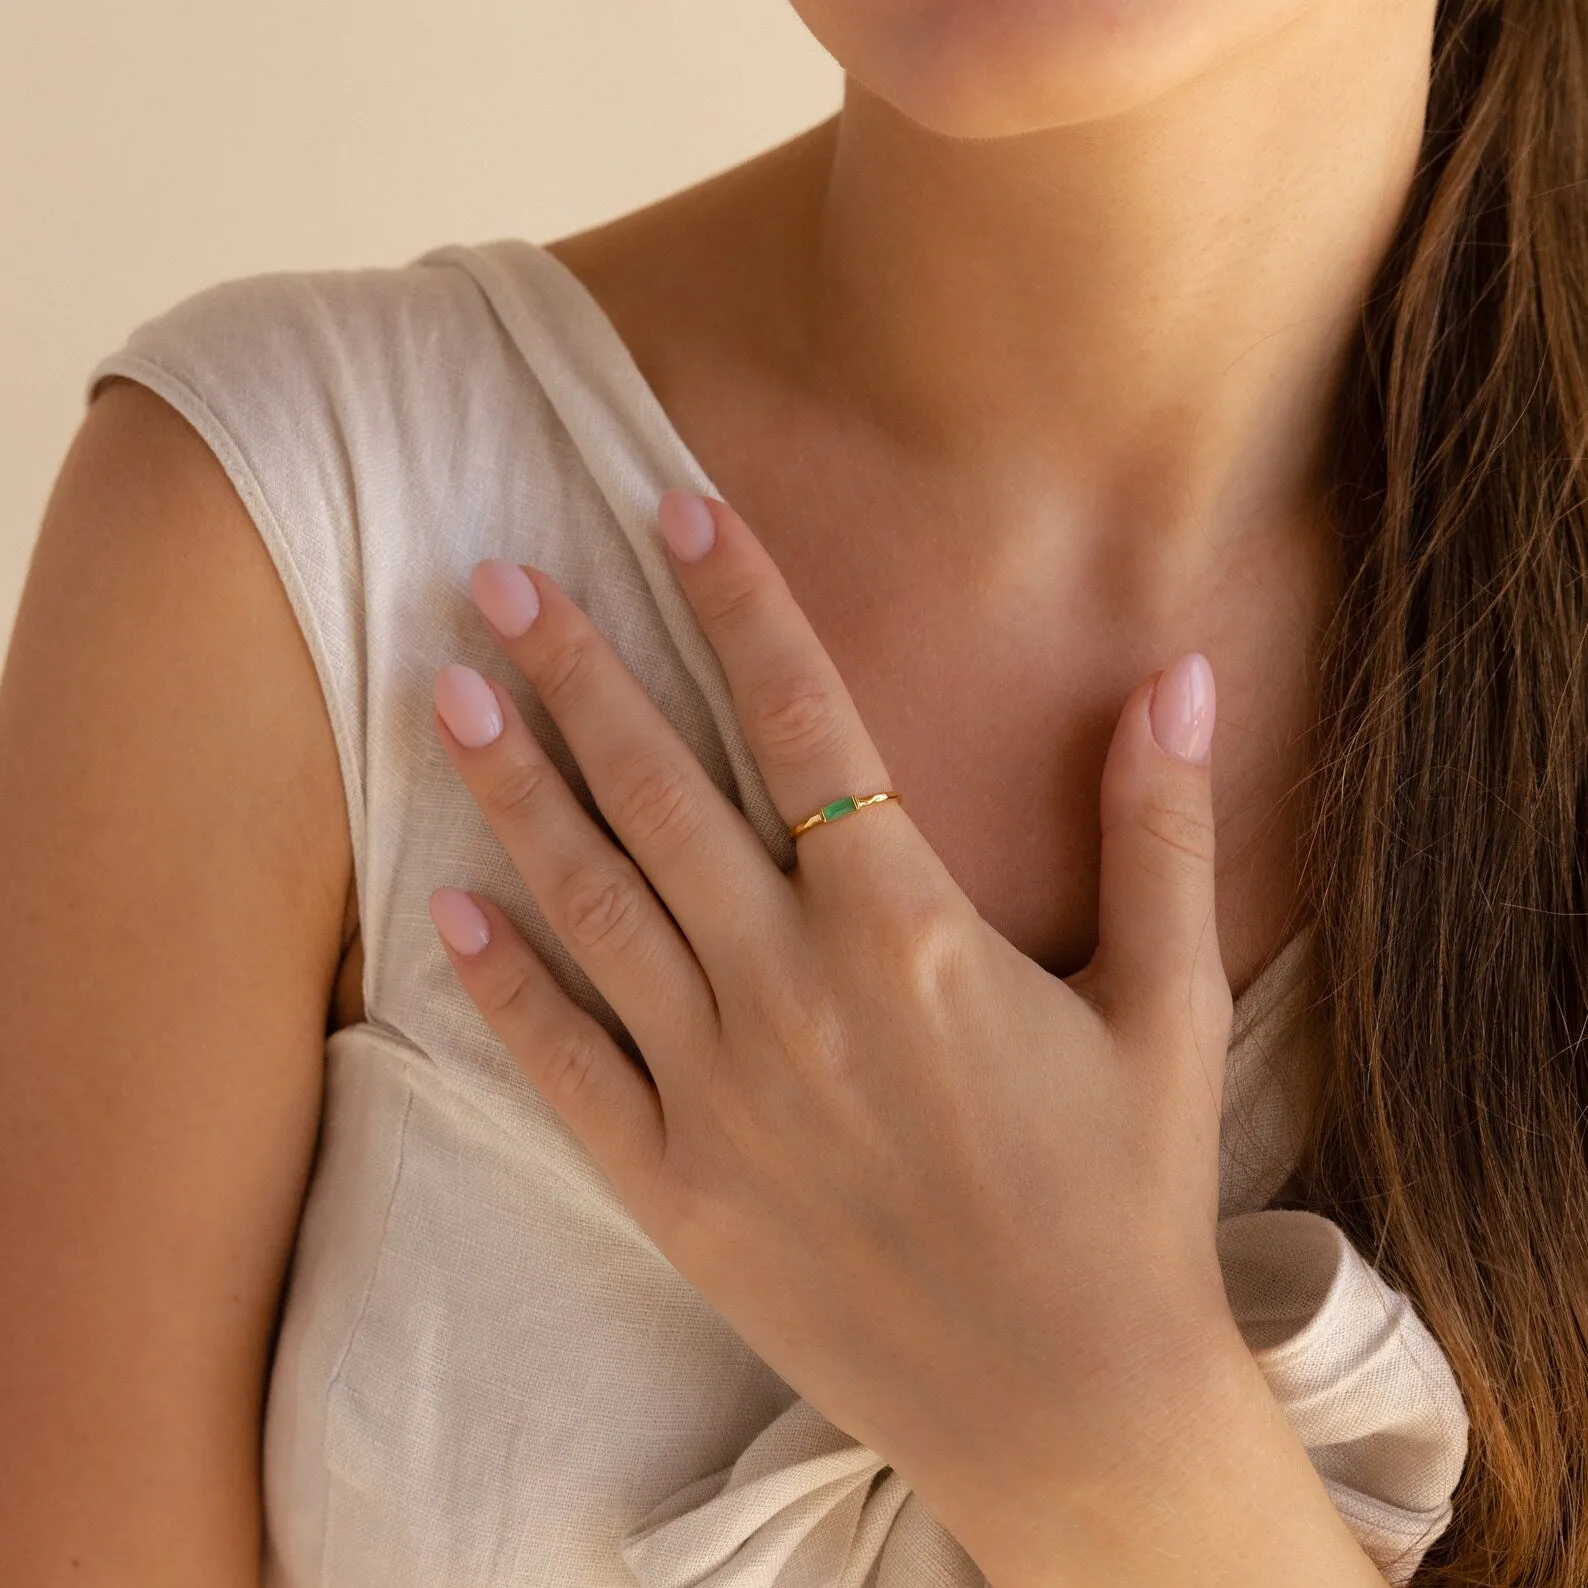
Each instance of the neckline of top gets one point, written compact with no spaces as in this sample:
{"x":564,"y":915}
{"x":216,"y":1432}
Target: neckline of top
{"x":598,"y":358}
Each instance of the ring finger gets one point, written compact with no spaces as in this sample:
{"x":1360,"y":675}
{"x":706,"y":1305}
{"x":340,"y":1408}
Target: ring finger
{"x":796,"y":711}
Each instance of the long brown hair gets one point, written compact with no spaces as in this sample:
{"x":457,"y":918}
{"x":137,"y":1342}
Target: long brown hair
{"x":1449,"y":801}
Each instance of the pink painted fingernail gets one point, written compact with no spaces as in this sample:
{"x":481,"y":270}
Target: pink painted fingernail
{"x":1182,"y":708}
{"x":506,"y":595}
{"x":463,"y":925}
{"x":686,"y":524}
{"x":467,"y":706}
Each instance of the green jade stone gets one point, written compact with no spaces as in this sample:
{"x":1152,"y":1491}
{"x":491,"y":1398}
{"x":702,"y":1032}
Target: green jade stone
{"x":831,"y":813}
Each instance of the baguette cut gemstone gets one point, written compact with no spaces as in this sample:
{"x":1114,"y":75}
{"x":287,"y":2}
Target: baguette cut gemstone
{"x":831,"y":813}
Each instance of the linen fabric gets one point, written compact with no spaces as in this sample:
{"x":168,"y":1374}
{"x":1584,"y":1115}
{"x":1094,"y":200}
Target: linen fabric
{"x":486,"y":1375}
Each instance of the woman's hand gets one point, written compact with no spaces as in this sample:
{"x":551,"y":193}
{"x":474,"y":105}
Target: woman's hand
{"x":964,"y":1207}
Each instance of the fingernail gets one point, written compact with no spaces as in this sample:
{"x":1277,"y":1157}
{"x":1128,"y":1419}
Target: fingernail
{"x":467,"y":705}
{"x":686,"y":524}
{"x":462,"y":924}
{"x":1182,"y":708}
{"x":506,"y":595}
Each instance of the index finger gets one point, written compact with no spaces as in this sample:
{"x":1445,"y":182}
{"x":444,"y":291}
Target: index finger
{"x":796,"y":711}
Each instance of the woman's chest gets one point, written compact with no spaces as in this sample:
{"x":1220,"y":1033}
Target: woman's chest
{"x":988,"y":644}
{"x":999,"y":763}
{"x":998,"y":754}
{"x":993,"y":715}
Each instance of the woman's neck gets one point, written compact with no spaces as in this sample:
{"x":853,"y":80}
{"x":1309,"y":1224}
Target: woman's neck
{"x":1135,"y":326}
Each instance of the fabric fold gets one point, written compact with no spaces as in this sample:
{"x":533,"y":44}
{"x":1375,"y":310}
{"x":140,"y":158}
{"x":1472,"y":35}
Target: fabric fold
{"x":485,"y":1372}
{"x":1363,"y":1383}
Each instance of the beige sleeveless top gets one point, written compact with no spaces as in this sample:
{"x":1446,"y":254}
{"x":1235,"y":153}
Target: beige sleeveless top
{"x":486,"y":1374}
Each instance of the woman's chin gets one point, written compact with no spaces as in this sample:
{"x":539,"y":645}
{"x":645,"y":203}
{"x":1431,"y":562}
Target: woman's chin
{"x":962,"y":104}
{"x":999,"y":68}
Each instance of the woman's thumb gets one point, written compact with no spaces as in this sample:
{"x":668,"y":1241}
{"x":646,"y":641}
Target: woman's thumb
{"x":1157,"y":955}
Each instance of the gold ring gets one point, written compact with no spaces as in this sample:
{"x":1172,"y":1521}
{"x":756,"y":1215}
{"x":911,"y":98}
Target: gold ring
{"x":850,"y":802}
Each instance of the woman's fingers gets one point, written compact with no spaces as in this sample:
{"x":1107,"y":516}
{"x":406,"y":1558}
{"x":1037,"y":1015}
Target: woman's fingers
{"x":1157,"y":961}
{"x":608,"y":1102}
{"x":593,"y":896}
{"x":796,"y":712}
{"x":699,"y":853}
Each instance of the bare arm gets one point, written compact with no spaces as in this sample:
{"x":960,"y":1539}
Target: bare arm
{"x":174,"y":863}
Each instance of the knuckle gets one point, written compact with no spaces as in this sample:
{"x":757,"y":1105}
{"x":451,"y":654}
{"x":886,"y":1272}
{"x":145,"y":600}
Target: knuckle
{"x":795,"y":716}
{"x":814,"y":1030}
{"x":602,"y":910}
{"x":1181,"y":826}
{"x":515,"y":790}
{"x":916,"y":942}
{"x":567,"y":1065}
{"x":731,"y":602}
{"x":508,"y":988}
{"x":562,"y":673}
{"x":654,"y":800}
{"x":807,"y":1027}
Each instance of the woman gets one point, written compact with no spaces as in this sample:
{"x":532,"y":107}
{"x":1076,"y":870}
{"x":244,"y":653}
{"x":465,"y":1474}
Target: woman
{"x":972,"y":1191}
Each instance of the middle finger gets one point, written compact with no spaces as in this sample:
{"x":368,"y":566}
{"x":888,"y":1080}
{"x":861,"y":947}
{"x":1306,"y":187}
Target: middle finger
{"x":703,"y":858}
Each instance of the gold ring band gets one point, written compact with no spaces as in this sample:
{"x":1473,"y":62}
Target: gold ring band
{"x":838,"y":808}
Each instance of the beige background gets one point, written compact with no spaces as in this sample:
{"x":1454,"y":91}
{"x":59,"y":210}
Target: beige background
{"x":151,"y":147}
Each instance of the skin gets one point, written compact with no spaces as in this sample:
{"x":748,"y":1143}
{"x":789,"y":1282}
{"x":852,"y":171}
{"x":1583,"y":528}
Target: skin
{"x":173,"y":866}
{"x":1043,"y":324}
{"x":838,"y":1055}
{"x":976,"y":234}
{"x":1055,"y":399}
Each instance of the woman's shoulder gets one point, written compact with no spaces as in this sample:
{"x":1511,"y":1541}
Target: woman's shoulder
{"x":343,"y":346}
{"x":379,"y":426}
{"x":360,"y":413}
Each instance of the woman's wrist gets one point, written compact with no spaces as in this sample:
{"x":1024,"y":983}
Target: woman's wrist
{"x":1186,"y":1473}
